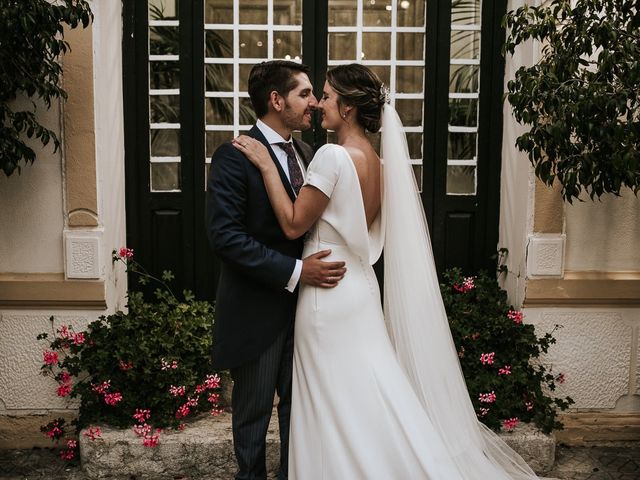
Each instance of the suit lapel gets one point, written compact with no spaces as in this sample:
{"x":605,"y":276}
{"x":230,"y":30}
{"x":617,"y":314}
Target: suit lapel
{"x":257,"y":134}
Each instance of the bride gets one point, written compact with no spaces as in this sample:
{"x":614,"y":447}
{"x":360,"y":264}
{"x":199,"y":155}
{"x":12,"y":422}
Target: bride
{"x":376,"y":395}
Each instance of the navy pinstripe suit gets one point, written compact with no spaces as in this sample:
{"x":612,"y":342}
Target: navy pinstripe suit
{"x":253,"y":332}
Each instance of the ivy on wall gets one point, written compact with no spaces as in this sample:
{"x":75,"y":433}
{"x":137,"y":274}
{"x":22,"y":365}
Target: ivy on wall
{"x":581,"y":100}
{"x":31,"y":44}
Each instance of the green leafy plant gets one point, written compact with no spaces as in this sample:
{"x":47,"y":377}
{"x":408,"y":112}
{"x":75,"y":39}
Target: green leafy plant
{"x":500,"y":355}
{"x":581,"y":100}
{"x":31,"y":44}
{"x":145,"y":367}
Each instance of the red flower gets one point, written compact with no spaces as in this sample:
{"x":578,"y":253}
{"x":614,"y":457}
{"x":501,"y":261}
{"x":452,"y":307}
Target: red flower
{"x":487,"y":397}
{"x":487,"y":358}
{"x":125,"y":366}
{"x":125,"y":252}
{"x":516,"y":316}
{"x":64,"y":390}
{"x":510,"y":423}
{"x":78,"y":338}
{"x":50,"y":358}
{"x":93,"y":433}
{"x":506,"y":370}
{"x":212,"y":381}
{"x":141,"y":415}
{"x":112,"y":398}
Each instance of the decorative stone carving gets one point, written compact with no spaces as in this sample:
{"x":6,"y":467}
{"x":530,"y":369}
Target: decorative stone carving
{"x":82,"y":253}
{"x":545,"y":255}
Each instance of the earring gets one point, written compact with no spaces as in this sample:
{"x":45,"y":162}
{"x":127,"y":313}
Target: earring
{"x":344,"y":114}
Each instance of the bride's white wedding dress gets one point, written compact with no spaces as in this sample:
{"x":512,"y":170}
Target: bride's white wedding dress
{"x":365,"y":405}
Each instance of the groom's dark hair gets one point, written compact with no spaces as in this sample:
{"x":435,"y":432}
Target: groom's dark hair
{"x":266,"y":77}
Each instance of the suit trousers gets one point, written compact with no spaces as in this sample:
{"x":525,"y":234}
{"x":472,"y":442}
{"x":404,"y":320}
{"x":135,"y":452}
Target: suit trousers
{"x":254,"y":387}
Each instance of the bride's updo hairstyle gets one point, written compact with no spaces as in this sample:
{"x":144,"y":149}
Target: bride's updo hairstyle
{"x":358,"y":86}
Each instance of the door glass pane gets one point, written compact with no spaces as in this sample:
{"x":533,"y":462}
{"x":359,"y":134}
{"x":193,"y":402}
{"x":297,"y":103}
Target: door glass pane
{"x":410,"y":45}
{"x":217,"y":11}
{"x":376,"y":46}
{"x":253,"y":43}
{"x":411,"y":13}
{"x":377,"y":13}
{"x":287,"y":13}
{"x":342,"y":46}
{"x":165,"y":143}
{"x":287,"y":45}
{"x":343,"y":13}
{"x":253,"y":12}
{"x":461,"y":180}
{"x":164,"y":109}
{"x":465,"y":12}
{"x":165,"y":177}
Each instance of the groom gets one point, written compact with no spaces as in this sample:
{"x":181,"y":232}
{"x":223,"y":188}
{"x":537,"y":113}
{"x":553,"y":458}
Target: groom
{"x":261,"y":268}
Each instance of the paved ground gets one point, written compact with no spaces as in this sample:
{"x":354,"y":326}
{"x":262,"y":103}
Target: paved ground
{"x":572,"y":463}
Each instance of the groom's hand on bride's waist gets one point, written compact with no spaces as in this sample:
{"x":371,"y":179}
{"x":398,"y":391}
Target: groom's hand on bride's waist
{"x":319,"y":273}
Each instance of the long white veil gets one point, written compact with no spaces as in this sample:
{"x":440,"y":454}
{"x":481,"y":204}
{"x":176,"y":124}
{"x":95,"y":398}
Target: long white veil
{"x":418,"y":326}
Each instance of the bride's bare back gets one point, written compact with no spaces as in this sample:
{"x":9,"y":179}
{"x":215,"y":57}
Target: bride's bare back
{"x":367,"y":165}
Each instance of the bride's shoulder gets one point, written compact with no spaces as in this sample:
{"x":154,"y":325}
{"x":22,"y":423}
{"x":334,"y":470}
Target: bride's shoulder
{"x":332,"y":151}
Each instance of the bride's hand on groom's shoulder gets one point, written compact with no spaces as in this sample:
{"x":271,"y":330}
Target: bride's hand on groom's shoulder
{"x":318,"y":273}
{"x":254,"y":150}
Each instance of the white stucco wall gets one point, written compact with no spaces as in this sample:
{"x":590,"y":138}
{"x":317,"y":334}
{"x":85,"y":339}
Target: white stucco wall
{"x":31,"y":217}
{"x":603,"y":235}
{"x":517,"y":184}
{"x":597,"y":350}
{"x":39,"y":226}
{"x":107,"y":38}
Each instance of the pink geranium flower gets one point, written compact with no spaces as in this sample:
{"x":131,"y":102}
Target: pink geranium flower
{"x":64,"y":390}
{"x":467,"y":285}
{"x":125,"y":252}
{"x":50,"y":358}
{"x":506,"y":370}
{"x":93,"y":432}
{"x":516,"y":316}
{"x":142,"y":415}
{"x":112,"y":398}
{"x":101,"y":388}
{"x":487,"y":358}
{"x":510,"y":423}
{"x":124,"y":366}
{"x":487,"y":397}
{"x":177,"y":391}
{"x":212,"y":381}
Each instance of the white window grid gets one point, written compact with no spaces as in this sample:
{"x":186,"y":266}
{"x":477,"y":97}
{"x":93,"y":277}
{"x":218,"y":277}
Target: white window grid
{"x":473,"y":162}
{"x":155,"y":159}
{"x":359,"y":29}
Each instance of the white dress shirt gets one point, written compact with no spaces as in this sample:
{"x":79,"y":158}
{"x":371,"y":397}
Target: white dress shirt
{"x":274,"y":138}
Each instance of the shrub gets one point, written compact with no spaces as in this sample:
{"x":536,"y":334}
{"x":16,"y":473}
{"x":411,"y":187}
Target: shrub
{"x":148,"y":367}
{"x":31,"y":42}
{"x":580,"y":101}
{"x":500,"y":354}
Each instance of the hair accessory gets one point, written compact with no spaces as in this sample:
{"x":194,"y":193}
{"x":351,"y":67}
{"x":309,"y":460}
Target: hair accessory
{"x":384,"y":94}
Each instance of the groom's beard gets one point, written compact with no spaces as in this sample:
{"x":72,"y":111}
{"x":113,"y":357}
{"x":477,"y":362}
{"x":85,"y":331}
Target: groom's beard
{"x":297,"y":121}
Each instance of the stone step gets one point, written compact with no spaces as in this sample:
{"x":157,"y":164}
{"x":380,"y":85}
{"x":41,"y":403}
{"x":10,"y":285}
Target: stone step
{"x":204,"y":451}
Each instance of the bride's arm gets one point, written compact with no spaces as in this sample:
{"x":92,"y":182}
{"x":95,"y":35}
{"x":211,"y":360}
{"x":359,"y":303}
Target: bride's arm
{"x":294,"y":218}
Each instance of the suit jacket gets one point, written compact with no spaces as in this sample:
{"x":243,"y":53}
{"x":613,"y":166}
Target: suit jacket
{"x":252,"y":305}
